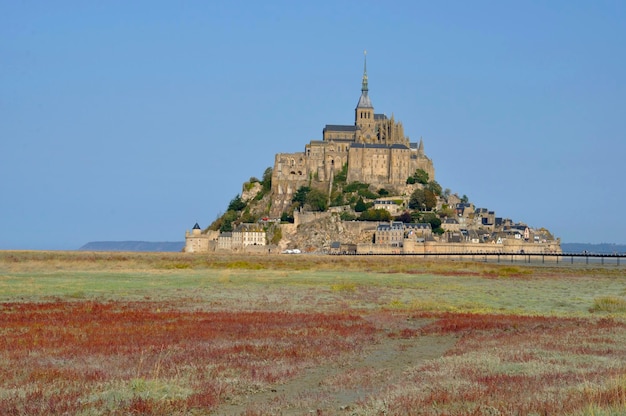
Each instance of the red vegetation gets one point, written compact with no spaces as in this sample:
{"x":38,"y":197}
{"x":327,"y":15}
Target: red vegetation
{"x":151,"y":358}
{"x":58,"y":356}
{"x":504,"y":364}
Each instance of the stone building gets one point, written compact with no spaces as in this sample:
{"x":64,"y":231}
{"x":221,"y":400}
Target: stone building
{"x":198,"y":242}
{"x":243,"y":236}
{"x":391,"y":234}
{"x":373,"y":150}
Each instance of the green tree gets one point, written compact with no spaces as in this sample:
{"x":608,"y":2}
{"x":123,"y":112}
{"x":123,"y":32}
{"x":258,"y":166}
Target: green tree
{"x":464,"y":199}
{"x":317,"y":200}
{"x":434,"y":221}
{"x":365,"y":192}
{"x":410,"y":180}
{"x":430,"y":199}
{"x":383,"y":192}
{"x":300,"y":196}
{"x":267,"y":179}
{"x":421,"y":176}
{"x":236,"y":204}
{"x":286,"y":217}
{"x":355,"y":187}
{"x":248,"y":217}
{"x":228,"y":219}
{"x":416,"y":217}
{"x":337,"y":199}
{"x":417,"y":199}
{"x":347,"y":216}
{"x":434,"y":187}
{"x":375,"y":215}
{"x":405,"y":217}
{"x":360,"y":205}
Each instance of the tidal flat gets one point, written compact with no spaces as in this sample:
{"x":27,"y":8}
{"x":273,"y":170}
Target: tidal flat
{"x":174,"y":333}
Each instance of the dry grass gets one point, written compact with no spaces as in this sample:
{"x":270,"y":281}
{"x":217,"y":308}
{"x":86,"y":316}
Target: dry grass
{"x":50,"y":260}
{"x":611,"y":304}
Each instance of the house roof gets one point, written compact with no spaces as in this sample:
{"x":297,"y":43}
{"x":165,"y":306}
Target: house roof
{"x":455,"y":238}
{"x":249,"y":227}
{"x":419,"y":226}
{"x":396,"y":225}
{"x":196,"y":227}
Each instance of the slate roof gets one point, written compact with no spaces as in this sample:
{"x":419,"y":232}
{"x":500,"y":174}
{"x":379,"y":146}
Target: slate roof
{"x":378,"y":146}
{"x":339,"y":127}
{"x":396,"y":225}
{"x":419,"y":226}
{"x":364,"y":101}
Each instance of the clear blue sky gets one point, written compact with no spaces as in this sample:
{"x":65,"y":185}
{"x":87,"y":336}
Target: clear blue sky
{"x":132,"y":120}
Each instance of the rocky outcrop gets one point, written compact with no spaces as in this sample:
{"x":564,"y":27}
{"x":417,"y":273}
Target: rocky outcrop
{"x":319,"y":234}
{"x":250,"y":191}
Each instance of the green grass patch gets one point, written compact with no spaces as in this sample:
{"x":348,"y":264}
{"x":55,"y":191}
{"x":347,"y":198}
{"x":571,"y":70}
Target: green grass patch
{"x":611,"y":304}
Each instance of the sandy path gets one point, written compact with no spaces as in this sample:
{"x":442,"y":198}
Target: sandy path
{"x":335,"y":388}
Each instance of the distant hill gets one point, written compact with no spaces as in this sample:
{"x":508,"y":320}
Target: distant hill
{"x":168,"y":246}
{"x":604,"y":248}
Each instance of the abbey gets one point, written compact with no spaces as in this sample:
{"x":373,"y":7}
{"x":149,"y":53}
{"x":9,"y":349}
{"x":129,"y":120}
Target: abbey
{"x":374,"y":150}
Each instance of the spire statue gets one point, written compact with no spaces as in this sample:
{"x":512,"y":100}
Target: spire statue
{"x":364,"y":82}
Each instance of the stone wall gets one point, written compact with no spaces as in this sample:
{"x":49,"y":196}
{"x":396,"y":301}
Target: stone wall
{"x":413,"y":247}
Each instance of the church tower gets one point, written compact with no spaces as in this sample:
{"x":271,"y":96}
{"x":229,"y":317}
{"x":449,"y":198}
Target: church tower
{"x":364,"y":112}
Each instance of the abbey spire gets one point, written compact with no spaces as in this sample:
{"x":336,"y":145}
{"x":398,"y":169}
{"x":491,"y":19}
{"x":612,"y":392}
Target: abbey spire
{"x":364,"y":113}
{"x":364,"y":101}
{"x":364,"y":82}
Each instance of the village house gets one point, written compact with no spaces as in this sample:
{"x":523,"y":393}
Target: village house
{"x":389,"y":205}
{"x":244,"y":235}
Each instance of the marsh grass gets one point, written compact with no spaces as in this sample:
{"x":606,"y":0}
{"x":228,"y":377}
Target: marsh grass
{"x":60,"y":260}
{"x":611,"y":304}
{"x":518,"y":327}
{"x":265,"y":281}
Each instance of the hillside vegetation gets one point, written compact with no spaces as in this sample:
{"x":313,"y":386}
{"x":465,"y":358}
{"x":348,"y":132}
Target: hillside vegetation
{"x":422,"y":200}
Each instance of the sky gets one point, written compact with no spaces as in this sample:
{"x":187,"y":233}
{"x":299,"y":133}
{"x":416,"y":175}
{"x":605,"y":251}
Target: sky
{"x":134,"y":120}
